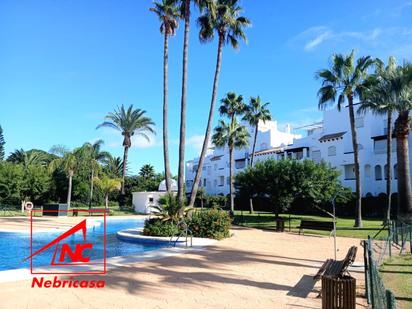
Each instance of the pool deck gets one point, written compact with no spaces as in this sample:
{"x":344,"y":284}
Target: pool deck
{"x":252,"y":269}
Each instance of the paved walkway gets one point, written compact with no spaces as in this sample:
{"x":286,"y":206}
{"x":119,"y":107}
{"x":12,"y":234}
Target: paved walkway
{"x":252,"y":269}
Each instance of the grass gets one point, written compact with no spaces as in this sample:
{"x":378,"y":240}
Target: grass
{"x":344,"y":226}
{"x":397,"y":276}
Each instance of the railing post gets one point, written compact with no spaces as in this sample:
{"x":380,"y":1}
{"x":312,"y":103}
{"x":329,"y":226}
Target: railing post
{"x":390,"y":300}
{"x":370,"y":266}
{"x":366,"y":263}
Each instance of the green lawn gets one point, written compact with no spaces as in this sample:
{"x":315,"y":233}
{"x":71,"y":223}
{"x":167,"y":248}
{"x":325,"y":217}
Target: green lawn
{"x":397,"y":275}
{"x":265,"y":220}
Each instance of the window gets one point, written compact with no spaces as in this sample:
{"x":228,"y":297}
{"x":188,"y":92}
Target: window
{"x":385,"y":171}
{"x":204,"y":182}
{"x":378,"y":172}
{"x":395,"y":171}
{"x":189,"y":183}
{"x":380,"y":146}
{"x":367,"y":171}
{"x":221,"y":180}
{"x":350,"y":172}
{"x":240,"y":164}
{"x":228,"y":181}
{"x":151,"y":200}
{"x":316,"y":156}
{"x":332,"y":151}
{"x":194,"y":168}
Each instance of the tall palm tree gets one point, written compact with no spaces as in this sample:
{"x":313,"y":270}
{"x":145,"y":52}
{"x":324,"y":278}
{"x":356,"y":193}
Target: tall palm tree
{"x":379,"y":98}
{"x":224,"y":21}
{"x":232,"y":105}
{"x":69,"y":163}
{"x":256,"y":112}
{"x":168,"y":13}
{"x":106,"y":186}
{"x":2,"y":143}
{"x":343,"y":81}
{"x":129,"y":122}
{"x":185,"y":13}
{"x":93,"y":155}
{"x":401,"y":81}
{"x":235,"y":136}
{"x":113,"y":166}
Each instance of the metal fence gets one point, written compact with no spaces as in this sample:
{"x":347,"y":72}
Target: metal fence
{"x":376,"y":293}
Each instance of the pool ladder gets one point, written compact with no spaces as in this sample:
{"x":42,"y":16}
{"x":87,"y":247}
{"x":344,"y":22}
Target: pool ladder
{"x":185,"y":232}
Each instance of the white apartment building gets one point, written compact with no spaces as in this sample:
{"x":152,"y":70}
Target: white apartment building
{"x":329,"y":140}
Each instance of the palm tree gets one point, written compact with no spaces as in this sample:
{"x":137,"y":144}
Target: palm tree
{"x":113,"y":167}
{"x":168,"y":14}
{"x":224,"y":20}
{"x":378,"y":97}
{"x":343,"y":81}
{"x":108,"y":185}
{"x":69,"y":163}
{"x":94,"y":156}
{"x":185,"y":14}
{"x":147,"y":171}
{"x":256,"y":112}
{"x":232,"y":105}
{"x":235,"y":136}
{"x":129,"y":122}
{"x":2,"y":142}
{"x":27,"y":158}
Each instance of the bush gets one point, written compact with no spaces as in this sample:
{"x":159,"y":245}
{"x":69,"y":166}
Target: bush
{"x":158,"y":227}
{"x":214,"y":201}
{"x":211,"y":223}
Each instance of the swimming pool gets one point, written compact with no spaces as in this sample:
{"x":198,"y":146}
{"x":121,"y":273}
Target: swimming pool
{"x":14,"y":247}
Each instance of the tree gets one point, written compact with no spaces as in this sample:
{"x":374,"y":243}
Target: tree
{"x":106,"y":186}
{"x":222,"y":19}
{"x":235,"y":136}
{"x":2,"y":143}
{"x":283,"y":181}
{"x":69,"y":163}
{"x":256,"y":112}
{"x":147,"y":171}
{"x":378,"y":96}
{"x":185,"y":14}
{"x":201,"y":195}
{"x":343,"y":81}
{"x":113,"y":166}
{"x":93,"y":155}
{"x":27,"y":158}
{"x":168,"y":14}
{"x":129,"y":122}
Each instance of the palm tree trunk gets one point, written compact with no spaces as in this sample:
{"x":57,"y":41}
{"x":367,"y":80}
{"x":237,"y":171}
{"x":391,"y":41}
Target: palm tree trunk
{"x":402,"y":127}
{"x":165,"y":112}
{"x":201,"y":202}
{"x":106,"y":198}
{"x":358,"y":219}
{"x":254,"y":144}
{"x":389,"y":165}
{"x":181,"y":171}
{"x":91,"y":189}
{"x":232,"y":197}
{"x":209,"y":123}
{"x":69,"y":189}
{"x":251,"y":163}
{"x":125,"y":156}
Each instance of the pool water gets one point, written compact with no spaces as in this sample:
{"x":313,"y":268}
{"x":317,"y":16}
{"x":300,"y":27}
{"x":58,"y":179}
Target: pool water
{"x":14,"y":247}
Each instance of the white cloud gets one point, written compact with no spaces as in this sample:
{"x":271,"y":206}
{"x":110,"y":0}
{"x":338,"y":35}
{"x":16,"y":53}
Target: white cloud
{"x":196,"y":142}
{"x":377,"y":41}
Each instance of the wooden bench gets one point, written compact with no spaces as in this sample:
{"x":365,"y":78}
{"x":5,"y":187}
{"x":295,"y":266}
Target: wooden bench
{"x":335,"y":268}
{"x":315,"y":225}
{"x":93,"y":211}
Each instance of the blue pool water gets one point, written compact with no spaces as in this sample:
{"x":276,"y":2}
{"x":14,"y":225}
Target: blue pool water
{"x":14,"y":247}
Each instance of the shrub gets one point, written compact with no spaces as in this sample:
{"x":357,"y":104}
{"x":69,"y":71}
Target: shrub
{"x":214,"y":201}
{"x":210,"y":223}
{"x":158,"y":227}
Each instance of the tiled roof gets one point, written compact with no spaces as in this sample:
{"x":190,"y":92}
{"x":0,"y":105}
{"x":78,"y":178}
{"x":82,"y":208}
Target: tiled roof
{"x":331,"y":137}
{"x":267,"y":151}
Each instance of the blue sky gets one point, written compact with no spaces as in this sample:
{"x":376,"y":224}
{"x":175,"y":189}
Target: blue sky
{"x":65,"y":64}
